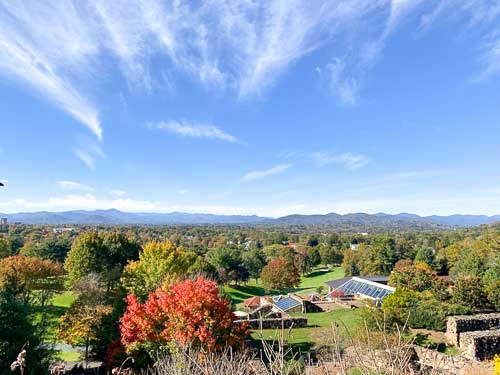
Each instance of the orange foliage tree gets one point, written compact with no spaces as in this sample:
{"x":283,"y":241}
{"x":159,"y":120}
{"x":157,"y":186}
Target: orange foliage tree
{"x":188,"y":313}
{"x":34,"y":278}
{"x":416,"y":276}
{"x":280,"y":274}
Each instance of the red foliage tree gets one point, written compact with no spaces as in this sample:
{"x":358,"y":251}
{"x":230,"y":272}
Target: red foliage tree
{"x":189,"y":313}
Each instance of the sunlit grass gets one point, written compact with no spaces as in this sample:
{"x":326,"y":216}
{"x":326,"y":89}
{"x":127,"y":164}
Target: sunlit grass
{"x":308,"y":284}
{"x":69,"y":356}
{"x":52,"y":312}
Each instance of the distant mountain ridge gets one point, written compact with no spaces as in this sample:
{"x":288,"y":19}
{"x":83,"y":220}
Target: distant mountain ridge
{"x":357,"y":220}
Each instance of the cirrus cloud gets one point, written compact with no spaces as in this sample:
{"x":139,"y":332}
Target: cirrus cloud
{"x":194,"y":130}
{"x":257,"y":175}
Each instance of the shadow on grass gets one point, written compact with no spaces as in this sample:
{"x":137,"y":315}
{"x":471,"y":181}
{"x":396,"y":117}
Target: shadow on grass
{"x":426,"y":341}
{"x":297,"y":348}
{"x":315,"y":274}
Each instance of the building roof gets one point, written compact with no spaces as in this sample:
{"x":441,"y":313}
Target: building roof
{"x":365,"y":288}
{"x":286,"y":303}
{"x":252,"y":302}
{"x":334,"y":284}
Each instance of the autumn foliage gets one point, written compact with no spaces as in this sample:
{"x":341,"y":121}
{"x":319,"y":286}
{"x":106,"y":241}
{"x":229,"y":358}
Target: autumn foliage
{"x":280,"y":274}
{"x":187,"y":313}
{"x":33,"y":277}
{"x":416,"y":276}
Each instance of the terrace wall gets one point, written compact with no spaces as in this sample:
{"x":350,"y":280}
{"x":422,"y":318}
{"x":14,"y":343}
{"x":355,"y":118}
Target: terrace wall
{"x":275,"y":323}
{"x":458,"y":325}
{"x":481,"y":345}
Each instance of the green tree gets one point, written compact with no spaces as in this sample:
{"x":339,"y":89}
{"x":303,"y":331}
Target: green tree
{"x":492,"y":273}
{"x":120,"y":249}
{"x":350,"y":263}
{"x":278,"y":251}
{"x":302,"y":262}
{"x":158,"y":262}
{"x":87,"y":255}
{"x":254,"y":260}
{"x":17,"y":332}
{"x":313,"y":255}
{"x":469,"y":263}
{"x":312,"y":241}
{"x":469,"y":292}
{"x":53,"y":248}
{"x":329,"y":254}
{"x":383,"y":256}
{"x":229,"y":264}
{"x":493,"y":292}
{"x":398,"y":305}
{"x":425,"y":254}
{"x":4,"y":247}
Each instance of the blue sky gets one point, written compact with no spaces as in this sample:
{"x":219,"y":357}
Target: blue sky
{"x":248,"y":107}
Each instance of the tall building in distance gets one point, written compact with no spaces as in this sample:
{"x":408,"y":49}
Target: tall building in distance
{"x":3,"y":221}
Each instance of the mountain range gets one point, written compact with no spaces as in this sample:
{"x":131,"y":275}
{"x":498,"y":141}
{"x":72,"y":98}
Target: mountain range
{"x":356,"y":220}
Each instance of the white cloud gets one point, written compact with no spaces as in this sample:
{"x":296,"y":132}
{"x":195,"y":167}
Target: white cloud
{"x":346,"y":88}
{"x":422,"y":205}
{"x":56,"y":47}
{"x":348,"y":160}
{"x":89,"y":152}
{"x":194,"y":130}
{"x":182,"y":191}
{"x":117,"y":193}
{"x":62,"y":49}
{"x":39,"y":44}
{"x":73,"y":185}
{"x":257,"y":175}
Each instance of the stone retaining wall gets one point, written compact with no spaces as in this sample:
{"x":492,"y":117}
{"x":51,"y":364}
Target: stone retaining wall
{"x":481,"y":345}
{"x":275,"y":323}
{"x":457,"y":325}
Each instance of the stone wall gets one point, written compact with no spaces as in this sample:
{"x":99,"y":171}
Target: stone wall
{"x":275,"y":323}
{"x":481,"y":345}
{"x":457,"y":325}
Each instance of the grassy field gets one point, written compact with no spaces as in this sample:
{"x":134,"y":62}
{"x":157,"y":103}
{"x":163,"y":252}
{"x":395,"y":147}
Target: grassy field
{"x":60,"y":303}
{"x":308,"y":284}
{"x":319,"y":324}
{"x":318,"y":328}
{"x":69,"y":356}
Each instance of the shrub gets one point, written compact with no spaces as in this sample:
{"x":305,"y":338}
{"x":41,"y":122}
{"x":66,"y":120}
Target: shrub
{"x":469,"y":292}
{"x":189,"y":313}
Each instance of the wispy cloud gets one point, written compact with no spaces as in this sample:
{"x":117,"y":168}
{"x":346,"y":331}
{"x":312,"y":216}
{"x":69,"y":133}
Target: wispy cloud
{"x":73,"y":185}
{"x":194,"y":130}
{"x":347,"y":160}
{"x":257,"y":175}
{"x":118,"y":193}
{"x":397,"y":180}
{"x":60,"y":49}
{"x":182,"y":191}
{"x":341,"y":85}
{"x":39,"y":44}
{"x":89,"y":152}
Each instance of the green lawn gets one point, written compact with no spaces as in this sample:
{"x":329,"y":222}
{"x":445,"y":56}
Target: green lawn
{"x":308,"y":284}
{"x":60,"y":303}
{"x":319,"y":327}
{"x":69,"y":356}
{"x":311,"y":281}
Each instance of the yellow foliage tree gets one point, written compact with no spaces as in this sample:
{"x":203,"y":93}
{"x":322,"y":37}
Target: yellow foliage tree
{"x":81,"y":324}
{"x":158,"y":262}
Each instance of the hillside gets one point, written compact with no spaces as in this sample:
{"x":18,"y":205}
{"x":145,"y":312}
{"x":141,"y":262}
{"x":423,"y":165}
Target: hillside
{"x":357,"y":221}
